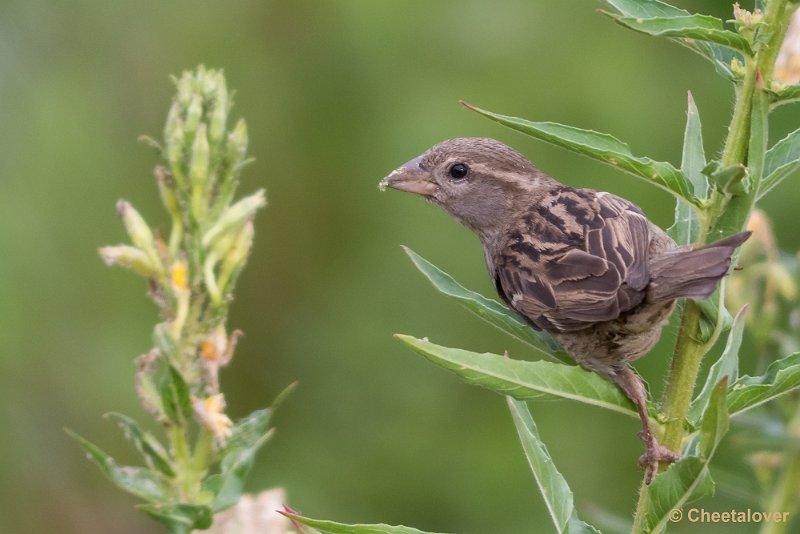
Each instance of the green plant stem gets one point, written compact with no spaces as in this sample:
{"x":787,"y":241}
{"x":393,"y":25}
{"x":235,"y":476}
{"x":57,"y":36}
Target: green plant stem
{"x":735,"y":149}
{"x":186,"y":482}
{"x":726,"y":215}
{"x":682,"y":376}
{"x":678,"y":394}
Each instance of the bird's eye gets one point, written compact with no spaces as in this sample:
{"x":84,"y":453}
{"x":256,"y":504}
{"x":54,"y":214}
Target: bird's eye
{"x":458,"y":171}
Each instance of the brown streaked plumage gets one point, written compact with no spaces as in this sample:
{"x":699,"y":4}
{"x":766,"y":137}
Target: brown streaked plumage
{"x":586,"y":266}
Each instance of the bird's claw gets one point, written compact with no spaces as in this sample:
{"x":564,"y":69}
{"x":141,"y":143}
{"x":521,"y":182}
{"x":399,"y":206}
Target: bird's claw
{"x":655,"y":453}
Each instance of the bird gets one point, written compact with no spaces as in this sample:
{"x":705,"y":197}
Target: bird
{"x":586,"y":266}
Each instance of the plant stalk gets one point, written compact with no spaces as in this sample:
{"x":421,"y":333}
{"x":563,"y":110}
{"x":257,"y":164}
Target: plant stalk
{"x":689,"y":348}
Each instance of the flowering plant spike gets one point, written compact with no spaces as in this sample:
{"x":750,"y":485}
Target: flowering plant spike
{"x":191,"y":271}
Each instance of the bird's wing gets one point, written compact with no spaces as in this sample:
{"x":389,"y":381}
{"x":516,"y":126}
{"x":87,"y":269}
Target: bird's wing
{"x":578,"y":257}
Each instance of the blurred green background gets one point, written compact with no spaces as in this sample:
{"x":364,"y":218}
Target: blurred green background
{"x":336,"y":94}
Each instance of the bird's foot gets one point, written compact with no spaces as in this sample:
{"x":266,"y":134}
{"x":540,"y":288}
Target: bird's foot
{"x":653,"y":454}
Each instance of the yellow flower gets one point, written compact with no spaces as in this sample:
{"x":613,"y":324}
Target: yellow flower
{"x":179,"y":274}
{"x":211,"y":413}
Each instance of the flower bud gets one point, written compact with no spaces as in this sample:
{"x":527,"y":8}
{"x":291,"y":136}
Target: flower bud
{"x":237,"y":143}
{"x":235,"y":258}
{"x":737,"y":69}
{"x":129,"y":257}
{"x":146,"y":389}
{"x":179,"y":280}
{"x":184,"y":86}
{"x":137,"y":228}
{"x":219,"y":111}
{"x":234,"y":217}
{"x":213,"y":347}
{"x":165,"y":190}
{"x":174,"y":151}
{"x":211,"y":414}
{"x":179,"y":275}
{"x":193,"y":114}
{"x":198,"y":172}
{"x":206,"y":82}
{"x":198,"y":167}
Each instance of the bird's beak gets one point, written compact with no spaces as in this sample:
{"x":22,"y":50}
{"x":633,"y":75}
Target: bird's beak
{"x":412,"y":178}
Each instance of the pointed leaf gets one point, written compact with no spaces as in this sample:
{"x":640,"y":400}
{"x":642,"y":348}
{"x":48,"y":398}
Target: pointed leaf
{"x":152,"y":451}
{"x":601,"y":147}
{"x":687,"y":27}
{"x":686,"y":228}
{"x":144,"y":483}
{"x":684,"y":481}
{"x":491,"y":311}
{"x":716,"y":420}
{"x":781,"y":377}
{"x":251,"y":429}
{"x":781,"y":160}
{"x":177,"y":400}
{"x":525,"y":380}
{"x":552,"y":485}
{"x":785,"y":95}
{"x":249,"y":435}
{"x":332,"y":527}
{"x":726,"y":366}
{"x":719,"y":55}
{"x":179,"y":518}
{"x":646,"y":8}
{"x":554,"y":488}
{"x":733,"y":179}
{"x":576,"y":526}
{"x":713,"y":312}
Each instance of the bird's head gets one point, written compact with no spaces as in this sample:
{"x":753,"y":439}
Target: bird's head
{"x":479,"y":181}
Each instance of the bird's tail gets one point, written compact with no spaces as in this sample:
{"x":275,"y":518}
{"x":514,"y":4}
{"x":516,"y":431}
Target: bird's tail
{"x":692,"y":273}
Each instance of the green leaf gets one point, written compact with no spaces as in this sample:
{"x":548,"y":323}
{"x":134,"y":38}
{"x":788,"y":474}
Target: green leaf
{"x":601,"y":147}
{"x":552,"y":485}
{"x":525,"y":380}
{"x":780,"y":161}
{"x":686,"y":27}
{"x":726,"y":366}
{"x":249,"y":430}
{"x":712,"y":313}
{"x":576,"y":526}
{"x":720,"y":56}
{"x":180,"y":518}
{"x":144,"y":483}
{"x":491,"y":311}
{"x":646,"y":8}
{"x":248,"y":436}
{"x":684,"y":481}
{"x":785,"y":95}
{"x":733,"y":179}
{"x":554,"y":488}
{"x":340,"y":528}
{"x":177,"y":400}
{"x":716,"y":420}
{"x":147,"y":445}
{"x":686,"y":228}
{"x":781,"y":377}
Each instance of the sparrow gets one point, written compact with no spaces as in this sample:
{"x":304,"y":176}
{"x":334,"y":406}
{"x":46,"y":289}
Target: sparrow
{"x":585,"y":265}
